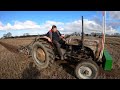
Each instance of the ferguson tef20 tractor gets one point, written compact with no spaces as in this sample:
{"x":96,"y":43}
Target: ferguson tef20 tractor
{"x":87,"y":53}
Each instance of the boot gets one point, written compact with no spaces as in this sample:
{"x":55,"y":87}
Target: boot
{"x":62,"y":58}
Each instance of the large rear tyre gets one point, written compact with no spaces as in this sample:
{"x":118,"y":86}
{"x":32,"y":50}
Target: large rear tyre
{"x":42,"y":54}
{"x":87,"y":69}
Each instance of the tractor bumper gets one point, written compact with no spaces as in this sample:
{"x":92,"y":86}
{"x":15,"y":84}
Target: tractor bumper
{"x":107,"y":61}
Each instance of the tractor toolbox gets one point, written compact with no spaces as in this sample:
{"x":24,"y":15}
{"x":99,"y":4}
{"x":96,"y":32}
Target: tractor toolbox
{"x":107,"y":59}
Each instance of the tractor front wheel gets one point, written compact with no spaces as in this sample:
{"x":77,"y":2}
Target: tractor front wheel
{"x":87,"y":69}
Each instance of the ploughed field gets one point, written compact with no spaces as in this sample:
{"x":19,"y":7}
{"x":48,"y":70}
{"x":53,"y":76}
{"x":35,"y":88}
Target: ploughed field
{"x":15,"y":65}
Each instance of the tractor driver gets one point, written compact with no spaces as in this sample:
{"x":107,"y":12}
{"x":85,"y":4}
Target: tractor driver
{"x":57,"y":39}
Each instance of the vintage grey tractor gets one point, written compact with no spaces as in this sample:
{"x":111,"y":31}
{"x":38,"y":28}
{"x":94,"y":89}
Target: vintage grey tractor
{"x":83,"y":52}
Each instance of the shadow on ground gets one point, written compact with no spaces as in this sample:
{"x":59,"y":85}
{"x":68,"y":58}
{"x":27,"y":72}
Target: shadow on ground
{"x":31,"y":72}
{"x":67,"y":66}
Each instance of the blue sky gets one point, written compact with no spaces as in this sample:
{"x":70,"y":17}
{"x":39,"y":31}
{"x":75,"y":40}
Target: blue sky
{"x":41,"y":17}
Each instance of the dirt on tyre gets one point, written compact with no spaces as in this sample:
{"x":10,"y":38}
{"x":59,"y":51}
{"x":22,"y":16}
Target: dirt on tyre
{"x":87,"y":69}
{"x":42,"y":54}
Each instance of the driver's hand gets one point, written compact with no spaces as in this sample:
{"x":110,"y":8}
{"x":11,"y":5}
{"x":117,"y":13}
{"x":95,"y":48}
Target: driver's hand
{"x":62,"y":36}
{"x":49,"y":40}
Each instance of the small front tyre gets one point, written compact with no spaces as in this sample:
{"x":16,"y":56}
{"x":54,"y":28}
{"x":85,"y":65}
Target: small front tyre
{"x":87,"y":69}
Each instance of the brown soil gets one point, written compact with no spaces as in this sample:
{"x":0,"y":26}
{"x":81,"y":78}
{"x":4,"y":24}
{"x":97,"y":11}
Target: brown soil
{"x":15,"y":65}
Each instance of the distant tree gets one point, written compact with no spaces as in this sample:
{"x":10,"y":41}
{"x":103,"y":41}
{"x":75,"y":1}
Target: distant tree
{"x":86,"y":34}
{"x":4,"y":35}
{"x":9,"y":34}
{"x":95,"y":35}
{"x":76,"y":34}
{"x":116,"y":34}
{"x":26,"y":34}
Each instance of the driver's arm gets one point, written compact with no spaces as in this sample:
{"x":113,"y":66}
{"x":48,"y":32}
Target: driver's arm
{"x":61,"y":36}
{"x":48,"y":37}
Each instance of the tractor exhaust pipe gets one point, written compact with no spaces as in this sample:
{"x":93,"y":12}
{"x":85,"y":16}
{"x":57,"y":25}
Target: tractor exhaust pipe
{"x":82,"y":37}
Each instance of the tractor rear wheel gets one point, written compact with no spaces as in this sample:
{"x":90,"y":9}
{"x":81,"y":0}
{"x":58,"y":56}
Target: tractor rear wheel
{"x":42,"y":54}
{"x":87,"y":69}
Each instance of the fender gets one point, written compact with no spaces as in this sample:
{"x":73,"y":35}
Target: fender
{"x":44,"y":38}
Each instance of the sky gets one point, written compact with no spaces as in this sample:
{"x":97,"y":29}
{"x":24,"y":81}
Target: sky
{"x":40,"y":22}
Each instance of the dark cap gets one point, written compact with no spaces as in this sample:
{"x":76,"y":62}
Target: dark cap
{"x":53,"y":26}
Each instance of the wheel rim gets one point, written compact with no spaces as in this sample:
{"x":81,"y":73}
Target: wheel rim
{"x":85,"y":72}
{"x":40,"y":55}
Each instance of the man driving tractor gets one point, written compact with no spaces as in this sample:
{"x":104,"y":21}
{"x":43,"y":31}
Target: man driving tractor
{"x":83,"y":51}
{"x":57,"y":39}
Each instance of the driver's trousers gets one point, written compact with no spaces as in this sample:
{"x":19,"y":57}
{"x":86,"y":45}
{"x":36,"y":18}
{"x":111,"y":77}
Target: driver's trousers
{"x":58,"y":46}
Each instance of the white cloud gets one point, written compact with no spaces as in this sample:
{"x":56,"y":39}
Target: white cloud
{"x":115,"y":14}
{"x":69,"y":27}
{"x":110,"y":30}
{"x":1,"y":24}
{"x":48,"y":24}
{"x":76,"y":26}
{"x":20,"y":25}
